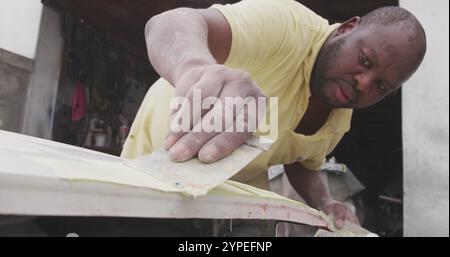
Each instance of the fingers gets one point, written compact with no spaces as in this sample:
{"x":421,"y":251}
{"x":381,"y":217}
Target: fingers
{"x":342,"y":213}
{"x":182,"y":87}
{"x":230,"y":97}
{"x":192,"y":106}
{"x":222,"y":145}
{"x":189,"y":145}
{"x":339,"y":218}
{"x":351,"y":216}
{"x":188,"y":110}
{"x":240,"y":117}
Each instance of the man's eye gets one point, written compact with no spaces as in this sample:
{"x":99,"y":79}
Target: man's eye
{"x":365,"y":60}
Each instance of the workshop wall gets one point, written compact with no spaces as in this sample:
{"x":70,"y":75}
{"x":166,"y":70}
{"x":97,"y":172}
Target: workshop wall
{"x":101,"y":87}
{"x":19,"y":26}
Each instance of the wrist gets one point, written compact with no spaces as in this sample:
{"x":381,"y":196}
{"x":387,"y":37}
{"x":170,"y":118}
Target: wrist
{"x":323,"y":202}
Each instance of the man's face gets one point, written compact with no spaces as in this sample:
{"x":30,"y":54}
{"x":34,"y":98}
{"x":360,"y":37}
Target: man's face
{"x":357,"y":68}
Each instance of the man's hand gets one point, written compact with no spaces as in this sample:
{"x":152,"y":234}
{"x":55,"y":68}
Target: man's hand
{"x":218,"y":82}
{"x":311,"y":187}
{"x":340,"y":211}
{"x":187,"y":47}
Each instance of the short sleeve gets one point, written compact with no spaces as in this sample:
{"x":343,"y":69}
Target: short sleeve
{"x":334,"y":142}
{"x":314,"y":163}
{"x":266,"y":32}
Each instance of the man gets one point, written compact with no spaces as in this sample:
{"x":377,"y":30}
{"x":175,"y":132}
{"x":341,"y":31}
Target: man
{"x":274,"y":48}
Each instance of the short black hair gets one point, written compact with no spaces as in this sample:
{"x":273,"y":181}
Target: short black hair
{"x":397,"y":16}
{"x":388,"y":15}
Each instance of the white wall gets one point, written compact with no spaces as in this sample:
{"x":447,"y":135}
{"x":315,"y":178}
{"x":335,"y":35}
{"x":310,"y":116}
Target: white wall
{"x":43,"y":87}
{"x":19,"y":26}
{"x":426,"y":127}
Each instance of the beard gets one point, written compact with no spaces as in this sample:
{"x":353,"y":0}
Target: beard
{"x":325,"y":60}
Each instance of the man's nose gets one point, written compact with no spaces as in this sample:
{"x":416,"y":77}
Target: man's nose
{"x":365,"y":81}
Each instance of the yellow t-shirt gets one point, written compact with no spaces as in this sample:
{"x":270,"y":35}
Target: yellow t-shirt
{"x":276,"y":42}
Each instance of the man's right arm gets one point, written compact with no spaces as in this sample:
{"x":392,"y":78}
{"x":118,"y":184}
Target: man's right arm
{"x":187,"y":47}
{"x":184,"y":38}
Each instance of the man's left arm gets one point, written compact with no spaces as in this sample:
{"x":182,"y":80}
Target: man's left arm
{"x":311,"y":187}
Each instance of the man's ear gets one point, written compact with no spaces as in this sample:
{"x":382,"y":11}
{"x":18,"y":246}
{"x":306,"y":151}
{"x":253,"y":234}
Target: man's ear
{"x":348,"y":25}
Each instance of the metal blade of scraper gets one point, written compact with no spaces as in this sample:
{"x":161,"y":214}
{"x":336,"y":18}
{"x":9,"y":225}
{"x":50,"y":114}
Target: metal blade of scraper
{"x":194,"y":177}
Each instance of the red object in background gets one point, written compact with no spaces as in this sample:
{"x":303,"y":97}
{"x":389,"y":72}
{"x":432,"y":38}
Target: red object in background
{"x":79,"y":107}
{"x":123,"y":130}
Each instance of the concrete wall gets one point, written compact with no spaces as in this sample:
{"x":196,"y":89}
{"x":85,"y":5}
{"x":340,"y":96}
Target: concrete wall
{"x":41,"y":95}
{"x":426,"y":127}
{"x":14,"y":78}
{"x":19,"y":26}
